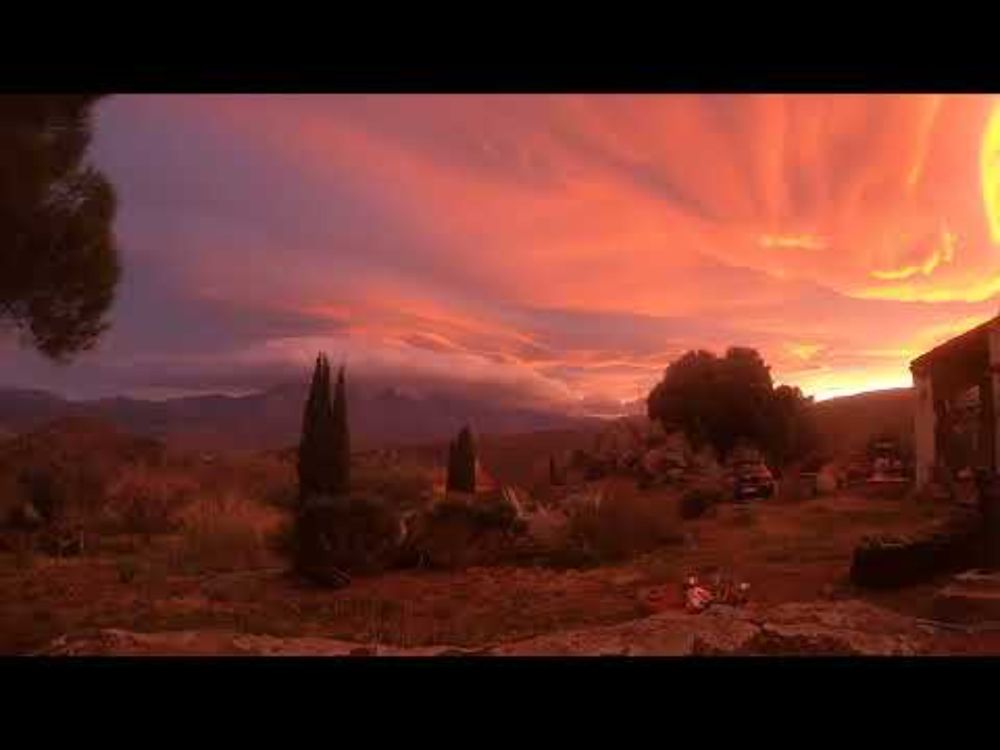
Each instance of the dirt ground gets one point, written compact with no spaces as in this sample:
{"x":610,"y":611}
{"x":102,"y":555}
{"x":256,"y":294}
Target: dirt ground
{"x":788,"y":552}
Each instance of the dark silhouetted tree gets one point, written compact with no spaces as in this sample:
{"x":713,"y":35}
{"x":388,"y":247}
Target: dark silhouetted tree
{"x":341,"y":439}
{"x":462,"y":463}
{"x":325,"y":449}
{"x":722,"y":401}
{"x":314,"y":468}
{"x":58,"y":256}
{"x":795,"y":434}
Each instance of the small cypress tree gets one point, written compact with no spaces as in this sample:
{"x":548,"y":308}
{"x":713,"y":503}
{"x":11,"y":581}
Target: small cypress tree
{"x":340,"y":442}
{"x":462,"y":463}
{"x":553,"y":475}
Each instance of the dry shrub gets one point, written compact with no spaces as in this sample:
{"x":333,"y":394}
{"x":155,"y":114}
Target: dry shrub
{"x":549,"y":528}
{"x":146,"y":500}
{"x":57,"y":489}
{"x":459,"y":532}
{"x":620,"y":524}
{"x":402,"y":486}
{"x":224,"y":533}
{"x":261,"y":476}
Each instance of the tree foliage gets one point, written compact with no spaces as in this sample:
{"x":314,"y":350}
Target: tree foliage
{"x":58,"y":257}
{"x":723,"y":401}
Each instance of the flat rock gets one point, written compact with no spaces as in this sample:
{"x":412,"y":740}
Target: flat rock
{"x":113,"y":642}
{"x":973,"y":596}
{"x":848,"y":627}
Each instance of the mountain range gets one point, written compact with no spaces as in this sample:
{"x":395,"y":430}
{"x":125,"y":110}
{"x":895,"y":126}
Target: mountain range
{"x":272,"y":418}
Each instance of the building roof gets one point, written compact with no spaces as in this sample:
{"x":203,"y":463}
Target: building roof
{"x":955,"y":346}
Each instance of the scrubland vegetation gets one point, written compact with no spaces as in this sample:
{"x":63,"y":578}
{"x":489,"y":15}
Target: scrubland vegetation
{"x":101,"y":529}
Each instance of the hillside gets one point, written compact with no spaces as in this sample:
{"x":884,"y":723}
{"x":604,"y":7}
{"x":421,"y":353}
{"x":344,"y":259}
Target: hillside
{"x":518,"y":459}
{"x":516,"y":441}
{"x":272,"y":418}
{"x":848,"y":422}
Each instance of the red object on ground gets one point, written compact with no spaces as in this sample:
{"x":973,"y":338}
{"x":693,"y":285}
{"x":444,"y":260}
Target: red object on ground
{"x":697,"y":598}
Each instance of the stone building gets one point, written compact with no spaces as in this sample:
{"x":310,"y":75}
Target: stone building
{"x":957,"y":388}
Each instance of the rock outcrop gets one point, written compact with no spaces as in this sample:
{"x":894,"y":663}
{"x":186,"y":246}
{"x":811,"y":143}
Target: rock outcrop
{"x":847,"y":627}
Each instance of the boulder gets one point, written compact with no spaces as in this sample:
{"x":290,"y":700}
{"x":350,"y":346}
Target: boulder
{"x":890,"y":562}
{"x":842,"y":628}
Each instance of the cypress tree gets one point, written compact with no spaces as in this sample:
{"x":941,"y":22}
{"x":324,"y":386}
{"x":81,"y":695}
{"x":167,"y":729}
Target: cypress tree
{"x":553,"y":476}
{"x":340,"y":439}
{"x":315,"y":431}
{"x":462,"y":463}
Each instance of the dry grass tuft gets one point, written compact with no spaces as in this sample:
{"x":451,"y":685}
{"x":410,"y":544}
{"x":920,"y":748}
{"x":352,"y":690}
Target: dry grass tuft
{"x":144,"y":500}
{"x":622,"y":523}
{"x":225,"y":533}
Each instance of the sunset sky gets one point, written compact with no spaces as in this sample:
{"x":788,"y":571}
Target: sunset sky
{"x":562,"y":249}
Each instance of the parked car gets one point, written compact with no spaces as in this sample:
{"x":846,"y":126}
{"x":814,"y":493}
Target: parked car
{"x":752,"y":479}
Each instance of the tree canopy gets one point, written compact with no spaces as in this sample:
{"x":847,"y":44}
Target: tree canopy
{"x":58,"y":256}
{"x":723,"y":401}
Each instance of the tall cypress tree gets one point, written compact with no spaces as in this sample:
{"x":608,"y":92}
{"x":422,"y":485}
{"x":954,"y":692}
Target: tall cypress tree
{"x":340,"y":439}
{"x":462,"y":463}
{"x":316,"y":419}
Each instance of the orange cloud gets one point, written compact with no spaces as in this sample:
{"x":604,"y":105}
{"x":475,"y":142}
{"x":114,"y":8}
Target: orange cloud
{"x":800,"y":241}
